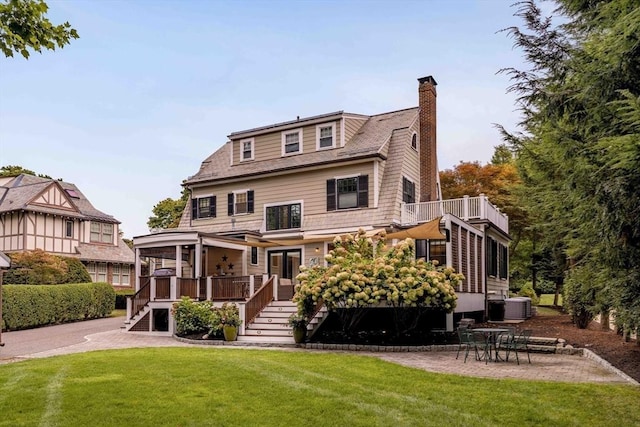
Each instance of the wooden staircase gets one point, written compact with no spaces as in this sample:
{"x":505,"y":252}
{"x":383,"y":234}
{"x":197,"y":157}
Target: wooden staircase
{"x":272,"y":324}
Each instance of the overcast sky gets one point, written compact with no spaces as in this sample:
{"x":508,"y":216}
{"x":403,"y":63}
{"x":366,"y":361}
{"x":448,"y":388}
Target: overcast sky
{"x":152,"y":88}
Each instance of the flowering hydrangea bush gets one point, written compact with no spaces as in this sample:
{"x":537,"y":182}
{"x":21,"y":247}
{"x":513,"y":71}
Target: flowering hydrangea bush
{"x":363,"y":273}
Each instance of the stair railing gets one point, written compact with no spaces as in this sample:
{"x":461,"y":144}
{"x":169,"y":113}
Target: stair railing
{"x":259,"y":300}
{"x":141,"y":298}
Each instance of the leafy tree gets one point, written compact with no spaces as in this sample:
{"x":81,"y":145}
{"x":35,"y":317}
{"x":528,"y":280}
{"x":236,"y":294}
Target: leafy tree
{"x":580,"y":156}
{"x":23,"y":26}
{"x":13,"y":170}
{"x":38,"y":267}
{"x":167,"y":212}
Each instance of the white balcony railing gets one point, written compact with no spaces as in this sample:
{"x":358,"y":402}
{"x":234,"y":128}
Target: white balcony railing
{"x":466,"y":208}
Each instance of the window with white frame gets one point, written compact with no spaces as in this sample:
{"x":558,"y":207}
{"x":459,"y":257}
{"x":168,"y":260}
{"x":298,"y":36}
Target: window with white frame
{"x":124,"y":274}
{"x":116,"y":274}
{"x":102,"y":272}
{"x":240,"y":202}
{"x":292,"y":142}
{"x":68,"y":228}
{"x":246,"y":149}
{"x":91,"y":269}
{"x":325,"y":136}
{"x":283,"y":217}
{"x":101,"y":232}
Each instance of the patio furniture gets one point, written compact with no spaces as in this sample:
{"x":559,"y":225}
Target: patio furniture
{"x":490,"y":344}
{"x":467,"y":339}
{"x":519,"y":343}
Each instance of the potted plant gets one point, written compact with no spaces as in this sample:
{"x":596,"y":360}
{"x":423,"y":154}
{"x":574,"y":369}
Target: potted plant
{"x":230,"y":320}
{"x":299,"y":324}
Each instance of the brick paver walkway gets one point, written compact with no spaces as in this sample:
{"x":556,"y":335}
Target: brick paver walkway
{"x":545,"y":367}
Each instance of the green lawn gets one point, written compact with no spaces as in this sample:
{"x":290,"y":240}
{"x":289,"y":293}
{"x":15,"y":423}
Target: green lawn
{"x":547,"y":299}
{"x":234,"y":387}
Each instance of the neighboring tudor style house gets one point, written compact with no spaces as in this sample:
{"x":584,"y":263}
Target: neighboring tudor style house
{"x":274,"y":197}
{"x":43,"y":213}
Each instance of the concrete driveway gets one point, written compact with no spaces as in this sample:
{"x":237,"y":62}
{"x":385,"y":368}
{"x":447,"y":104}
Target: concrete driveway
{"x":29,"y":341}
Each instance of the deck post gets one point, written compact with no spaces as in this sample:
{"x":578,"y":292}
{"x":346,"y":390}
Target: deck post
{"x":275,"y":287}
{"x":152,"y":289}
{"x":252,"y":287}
{"x":465,"y":207}
{"x":209,"y":288}
{"x":243,"y":317}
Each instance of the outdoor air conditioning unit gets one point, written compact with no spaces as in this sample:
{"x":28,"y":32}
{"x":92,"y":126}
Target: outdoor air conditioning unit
{"x":517,"y":308}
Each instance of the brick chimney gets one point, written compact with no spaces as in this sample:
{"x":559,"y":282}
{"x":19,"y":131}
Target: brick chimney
{"x":428,"y":156}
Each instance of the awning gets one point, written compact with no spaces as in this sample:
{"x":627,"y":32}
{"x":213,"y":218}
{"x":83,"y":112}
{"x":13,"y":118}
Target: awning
{"x":427,"y":231}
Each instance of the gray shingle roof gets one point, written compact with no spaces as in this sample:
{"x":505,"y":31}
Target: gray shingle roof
{"x":106,"y":253}
{"x":369,"y":141}
{"x":17,"y":193}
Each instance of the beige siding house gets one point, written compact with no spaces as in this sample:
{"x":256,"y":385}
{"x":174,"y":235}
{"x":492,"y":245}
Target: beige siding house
{"x":272,"y":198}
{"x":55,"y":216}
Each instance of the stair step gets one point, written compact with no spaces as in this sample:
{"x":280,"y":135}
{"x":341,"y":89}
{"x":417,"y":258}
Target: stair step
{"x":268,"y":332}
{"x":269,"y":326}
{"x":266,"y":339}
{"x":281,"y":314}
{"x":282,"y":304}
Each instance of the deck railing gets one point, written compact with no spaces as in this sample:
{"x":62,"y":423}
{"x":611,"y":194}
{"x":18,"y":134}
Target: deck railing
{"x":163,"y":288}
{"x":259,"y":300}
{"x":466,"y":208}
{"x":227,"y":288}
{"x":187,"y":287}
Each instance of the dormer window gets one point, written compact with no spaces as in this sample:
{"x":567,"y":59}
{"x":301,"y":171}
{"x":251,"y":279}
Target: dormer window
{"x":246,"y":149}
{"x":325,"y":136}
{"x":292,"y":142}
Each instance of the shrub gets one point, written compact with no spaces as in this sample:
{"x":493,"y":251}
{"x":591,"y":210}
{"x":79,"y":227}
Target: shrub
{"x":363,"y":274}
{"x":192,"y":317}
{"x":76,"y":271}
{"x":28,"y":306}
{"x":579,"y":297}
{"x":38,"y":267}
{"x":527,"y":291}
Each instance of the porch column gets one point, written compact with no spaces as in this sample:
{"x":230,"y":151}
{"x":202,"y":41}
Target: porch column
{"x":276,"y":282}
{"x":198,"y":260}
{"x":209,"y":288}
{"x":178,"y":260}
{"x":138,"y":273}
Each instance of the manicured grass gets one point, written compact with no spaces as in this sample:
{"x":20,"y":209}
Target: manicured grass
{"x":233,"y":387}
{"x":547,"y":311}
{"x":118,"y":313}
{"x":547,"y":299}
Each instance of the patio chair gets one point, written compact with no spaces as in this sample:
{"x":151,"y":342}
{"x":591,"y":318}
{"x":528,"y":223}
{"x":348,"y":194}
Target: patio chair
{"x":505,"y":339}
{"x":519,"y":343}
{"x":468,"y":340}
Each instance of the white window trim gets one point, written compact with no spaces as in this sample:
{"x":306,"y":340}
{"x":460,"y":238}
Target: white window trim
{"x":332,"y":125}
{"x":283,"y":136}
{"x":268,"y":205}
{"x":253,"y":145}
{"x":417,"y":141}
{"x":235,"y":201}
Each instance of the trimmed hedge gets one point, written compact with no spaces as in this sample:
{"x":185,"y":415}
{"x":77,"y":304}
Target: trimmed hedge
{"x":29,"y":306}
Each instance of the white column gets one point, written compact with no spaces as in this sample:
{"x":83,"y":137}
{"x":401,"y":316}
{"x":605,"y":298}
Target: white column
{"x":178,"y":260}
{"x":198,"y":260}
{"x":129,"y":307}
{"x":252,"y":286}
{"x":138,"y":273}
{"x":465,"y":207}
{"x":209,"y":288}
{"x":275,"y":287}
{"x":243,"y":317}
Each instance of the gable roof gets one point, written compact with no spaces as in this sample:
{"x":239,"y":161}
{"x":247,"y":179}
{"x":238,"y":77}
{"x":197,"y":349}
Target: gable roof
{"x":19,"y":192}
{"x":370,"y":141}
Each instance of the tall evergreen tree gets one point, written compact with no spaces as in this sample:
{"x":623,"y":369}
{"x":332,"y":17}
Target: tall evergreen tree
{"x":580,"y":155}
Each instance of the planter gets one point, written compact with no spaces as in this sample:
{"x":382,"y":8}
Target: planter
{"x":300,"y":334}
{"x":230,"y":332}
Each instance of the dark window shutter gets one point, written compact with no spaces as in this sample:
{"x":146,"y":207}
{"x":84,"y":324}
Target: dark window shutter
{"x":250,"y":201}
{"x":194,"y":208}
{"x":212,"y":206}
{"x":331,"y":195}
{"x":363,"y":191}
{"x":230,"y":204}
